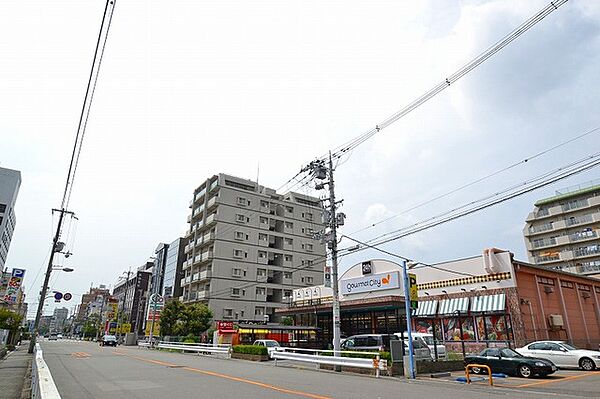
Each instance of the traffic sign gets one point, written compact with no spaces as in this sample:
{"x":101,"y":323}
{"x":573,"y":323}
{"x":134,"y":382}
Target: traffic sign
{"x":67,"y":296}
{"x":58,"y":295}
{"x":414,"y":294}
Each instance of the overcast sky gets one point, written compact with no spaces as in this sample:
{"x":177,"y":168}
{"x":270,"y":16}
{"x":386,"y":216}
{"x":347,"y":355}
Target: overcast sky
{"x":189,"y":89}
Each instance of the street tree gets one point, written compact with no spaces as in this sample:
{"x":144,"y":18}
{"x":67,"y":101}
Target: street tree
{"x":170,"y":317}
{"x":195,"y":319}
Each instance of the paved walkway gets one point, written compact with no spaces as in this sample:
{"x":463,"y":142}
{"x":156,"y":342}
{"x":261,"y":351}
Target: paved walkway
{"x":13,"y":370}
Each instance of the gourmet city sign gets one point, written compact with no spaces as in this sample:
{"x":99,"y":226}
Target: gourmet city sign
{"x":371,"y":282}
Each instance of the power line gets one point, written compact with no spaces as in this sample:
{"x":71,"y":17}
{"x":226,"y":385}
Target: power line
{"x":480,"y":179}
{"x":432,"y":222}
{"x":449,"y":80}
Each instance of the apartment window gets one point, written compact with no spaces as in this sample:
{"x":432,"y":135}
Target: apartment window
{"x":289,"y":209}
{"x":263,"y":237}
{"x":261,"y":272}
{"x":259,"y":311}
{"x":287,"y":294}
{"x":307,"y":279}
{"x":238,"y":253}
{"x":2,"y":208}
{"x":227,"y":313}
{"x":261,"y":291}
{"x":236,"y":272}
{"x":235,"y":292}
{"x":264,"y":204}
{"x":287,"y":275}
{"x":240,"y":235}
{"x":264,"y":220}
{"x":262,"y":254}
{"x":308,"y":231}
{"x":243,"y":201}
{"x":288,"y":258}
{"x":289,"y":225}
{"x":308,"y":247}
{"x":307,"y":215}
{"x":288,"y":241}
{"x":241,"y":218}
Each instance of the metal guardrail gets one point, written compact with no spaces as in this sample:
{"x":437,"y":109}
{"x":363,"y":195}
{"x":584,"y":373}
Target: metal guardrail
{"x":314,"y":356}
{"x":42,"y":384}
{"x":191,"y":347}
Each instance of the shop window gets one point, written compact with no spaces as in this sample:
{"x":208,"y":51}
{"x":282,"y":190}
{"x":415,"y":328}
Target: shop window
{"x":496,"y":326}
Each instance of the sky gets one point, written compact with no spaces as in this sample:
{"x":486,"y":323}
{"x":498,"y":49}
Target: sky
{"x":189,"y":89}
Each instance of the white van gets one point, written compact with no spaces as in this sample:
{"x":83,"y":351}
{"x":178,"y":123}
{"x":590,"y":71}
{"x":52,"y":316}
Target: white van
{"x":429,"y":341}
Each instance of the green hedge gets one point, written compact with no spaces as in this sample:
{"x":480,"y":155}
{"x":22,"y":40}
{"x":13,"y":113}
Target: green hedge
{"x":250,"y":349}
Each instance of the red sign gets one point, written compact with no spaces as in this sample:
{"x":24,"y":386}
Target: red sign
{"x":224,"y":325}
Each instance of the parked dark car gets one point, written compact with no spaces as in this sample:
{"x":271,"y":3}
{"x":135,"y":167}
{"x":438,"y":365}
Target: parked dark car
{"x":507,"y":361}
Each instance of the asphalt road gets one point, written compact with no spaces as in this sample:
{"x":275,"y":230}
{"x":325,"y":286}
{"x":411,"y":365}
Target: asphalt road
{"x":85,"y":370}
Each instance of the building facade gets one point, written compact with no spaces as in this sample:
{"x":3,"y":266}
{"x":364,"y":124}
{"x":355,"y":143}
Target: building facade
{"x":467,"y":304}
{"x":59,"y":319}
{"x":248,"y":247}
{"x":10,"y":181}
{"x":562,"y":231}
{"x":173,"y":270}
{"x":132,"y":294}
{"x":158,"y":269}
{"x":93,"y":296}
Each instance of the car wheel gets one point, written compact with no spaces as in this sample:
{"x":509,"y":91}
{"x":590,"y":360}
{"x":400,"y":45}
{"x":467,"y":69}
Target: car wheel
{"x":587,"y":364}
{"x":525,"y":371}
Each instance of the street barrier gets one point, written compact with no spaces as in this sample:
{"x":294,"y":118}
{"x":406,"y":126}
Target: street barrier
{"x":314,"y":356}
{"x":481,"y":366}
{"x":42,"y":384}
{"x":195,"y":347}
{"x":144,"y":344}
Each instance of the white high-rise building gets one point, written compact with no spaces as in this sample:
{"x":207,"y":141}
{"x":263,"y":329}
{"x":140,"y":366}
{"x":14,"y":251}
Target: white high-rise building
{"x":10,"y":181}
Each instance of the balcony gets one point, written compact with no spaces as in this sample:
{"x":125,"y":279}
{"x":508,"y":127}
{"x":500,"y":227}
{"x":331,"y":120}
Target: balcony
{"x":203,"y":294}
{"x":583,"y":235}
{"x":205,"y":274}
{"x":585,"y":219}
{"x":208,"y":237}
{"x":262,"y":279}
{"x":546,"y":259}
{"x":566,"y":255}
{"x":210,"y":219}
{"x":589,"y":251}
{"x":544,"y":243}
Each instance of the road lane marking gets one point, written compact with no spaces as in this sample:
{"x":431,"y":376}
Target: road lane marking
{"x":572,"y":377}
{"x":229,"y":377}
{"x":80,"y":355}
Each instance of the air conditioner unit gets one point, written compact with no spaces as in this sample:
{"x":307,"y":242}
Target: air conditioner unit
{"x":556,"y":321}
{"x":548,"y":289}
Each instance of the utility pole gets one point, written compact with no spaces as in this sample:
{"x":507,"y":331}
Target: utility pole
{"x":56,"y":247}
{"x":332,"y":219}
{"x":120,"y":317}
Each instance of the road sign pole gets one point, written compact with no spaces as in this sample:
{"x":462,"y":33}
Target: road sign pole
{"x":411,"y":358}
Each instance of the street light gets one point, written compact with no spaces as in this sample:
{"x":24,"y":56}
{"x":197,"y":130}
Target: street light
{"x":64,"y":269}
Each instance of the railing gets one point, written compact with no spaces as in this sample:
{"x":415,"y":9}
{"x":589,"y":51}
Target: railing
{"x":196,"y":347}
{"x":315,"y":356}
{"x":479,"y":366}
{"x":42,"y":384}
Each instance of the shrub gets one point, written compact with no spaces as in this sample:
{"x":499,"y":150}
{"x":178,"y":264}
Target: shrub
{"x":190,"y":339}
{"x":250,"y":349}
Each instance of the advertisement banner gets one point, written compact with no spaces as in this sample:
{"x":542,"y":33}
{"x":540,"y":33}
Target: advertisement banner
{"x":369,"y":283}
{"x":14,"y":283}
{"x":156,"y":331}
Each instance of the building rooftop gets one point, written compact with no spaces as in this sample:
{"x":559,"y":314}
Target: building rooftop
{"x":571,"y":192}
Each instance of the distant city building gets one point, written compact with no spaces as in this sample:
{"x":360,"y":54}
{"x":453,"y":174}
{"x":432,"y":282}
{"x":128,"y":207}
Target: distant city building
{"x":173,"y":269}
{"x":59,"y":319}
{"x":158,"y":269}
{"x":93,"y":296}
{"x":10,"y":181}
{"x":248,"y":247}
{"x":562,"y":231}
{"x":132,"y":294}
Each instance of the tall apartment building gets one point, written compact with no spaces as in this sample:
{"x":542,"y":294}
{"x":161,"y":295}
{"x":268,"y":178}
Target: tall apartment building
{"x":174,"y":269}
{"x":10,"y":181}
{"x":562,"y":231}
{"x":249,"y":247}
{"x":59,"y":318}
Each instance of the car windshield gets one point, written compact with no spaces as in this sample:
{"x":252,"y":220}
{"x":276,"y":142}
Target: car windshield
{"x":271,"y":344}
{"x":110,"y":337}
{"x":569,"y":347}
{"x":507,"y":352}
{"x":428,"y":340}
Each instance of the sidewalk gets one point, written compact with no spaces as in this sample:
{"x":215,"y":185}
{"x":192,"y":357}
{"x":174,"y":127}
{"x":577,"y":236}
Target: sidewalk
{"x":13,"y":370}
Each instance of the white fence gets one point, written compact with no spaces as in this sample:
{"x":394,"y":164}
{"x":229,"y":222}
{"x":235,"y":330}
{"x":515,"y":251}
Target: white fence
{"x":315,"y":356}
{"x":42,"y":384}
{"x":192,"y":347}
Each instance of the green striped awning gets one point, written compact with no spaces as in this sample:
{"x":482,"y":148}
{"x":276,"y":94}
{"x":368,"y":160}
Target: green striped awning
{"x":453,"y":305}
{"x":489,"y":303}
{"x":426,"y":309}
